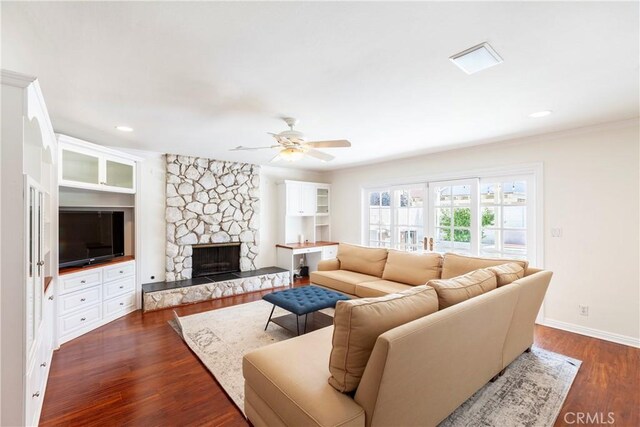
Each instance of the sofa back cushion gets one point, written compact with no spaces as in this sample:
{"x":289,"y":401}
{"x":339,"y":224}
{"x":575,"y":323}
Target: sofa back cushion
{"x":456,"y":265}
{"x":358,"y":323}
{"x":461,"y":288}
{"x":507,"y":273}
{"x":412,"y":269}
{"x":362,"y":259}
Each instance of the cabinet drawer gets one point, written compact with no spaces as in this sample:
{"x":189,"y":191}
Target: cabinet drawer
{"x":80,"y":299}
{"x":119,"y":271}
{"x":120,"y":303}
{"x":113,"y":289}
{"x":75,"y":282}
{"x":80,"y":319}
{"x":329,"y":252}
{"x":306,"y":250}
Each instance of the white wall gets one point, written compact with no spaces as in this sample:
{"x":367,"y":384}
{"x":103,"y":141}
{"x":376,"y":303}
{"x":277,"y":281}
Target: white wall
{"x":591,"y":191}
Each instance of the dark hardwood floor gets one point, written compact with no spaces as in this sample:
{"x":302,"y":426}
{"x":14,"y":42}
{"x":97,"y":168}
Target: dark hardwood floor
{"x":136,"y":371}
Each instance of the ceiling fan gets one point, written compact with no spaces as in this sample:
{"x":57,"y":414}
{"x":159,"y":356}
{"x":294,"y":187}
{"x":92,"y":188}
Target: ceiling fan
{"x":293,"y":145}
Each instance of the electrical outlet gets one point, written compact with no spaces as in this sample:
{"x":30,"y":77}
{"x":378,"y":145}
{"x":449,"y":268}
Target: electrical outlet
{"x":556,"y":232}
{"x":583,"y":310}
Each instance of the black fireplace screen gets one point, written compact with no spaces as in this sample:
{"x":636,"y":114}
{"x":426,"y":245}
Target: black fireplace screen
{"x":215,"y":259}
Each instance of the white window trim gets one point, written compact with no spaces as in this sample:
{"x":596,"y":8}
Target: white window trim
{"x":536,"y":169}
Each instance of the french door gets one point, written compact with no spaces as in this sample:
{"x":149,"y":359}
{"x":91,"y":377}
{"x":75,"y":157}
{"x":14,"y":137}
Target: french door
{"x":452,"y":219}
{"x":488,"y":216}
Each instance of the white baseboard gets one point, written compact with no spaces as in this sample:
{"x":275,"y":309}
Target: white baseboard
{"x":590,"y":332}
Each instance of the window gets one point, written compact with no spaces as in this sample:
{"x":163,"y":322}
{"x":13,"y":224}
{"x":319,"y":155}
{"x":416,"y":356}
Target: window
{"x":408,"y":225}
{"x":379,"y":218}
{"x":505,"y":217}
{"x":488,"y":216}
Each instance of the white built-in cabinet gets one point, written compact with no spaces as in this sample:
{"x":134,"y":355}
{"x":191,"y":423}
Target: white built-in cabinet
{"x":93,"y":167}
{"x":304,"y":211}
{"x":89,"y":298}
{"x":28,"y":245}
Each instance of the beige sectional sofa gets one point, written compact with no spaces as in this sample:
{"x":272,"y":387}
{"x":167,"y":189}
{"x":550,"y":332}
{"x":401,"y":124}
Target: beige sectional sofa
{"x":417,"y":373}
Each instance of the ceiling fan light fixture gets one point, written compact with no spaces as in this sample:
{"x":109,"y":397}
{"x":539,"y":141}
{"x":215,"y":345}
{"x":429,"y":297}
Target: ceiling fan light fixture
{"x":291,"y":154}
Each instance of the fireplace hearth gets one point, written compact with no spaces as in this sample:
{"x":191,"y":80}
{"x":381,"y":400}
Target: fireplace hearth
{"x":215,"y":258}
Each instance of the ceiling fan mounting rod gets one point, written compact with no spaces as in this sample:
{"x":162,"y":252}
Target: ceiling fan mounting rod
{"x":290,"y":121}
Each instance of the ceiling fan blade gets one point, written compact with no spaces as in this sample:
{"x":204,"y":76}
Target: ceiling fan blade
{"x":242,"y":148}
{"x":276,"y":158}
{"x":319,"y":155}
{"x":337,"y":143}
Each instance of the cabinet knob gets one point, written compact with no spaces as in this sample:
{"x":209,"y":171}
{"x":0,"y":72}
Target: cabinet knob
{"x":121,"y":287}
{"x":121,"y":272}
{"x":83,"y":319}
{"x":43,"y":364}
{"x":36,"y":394}
{"x":83,"y":281}
{"x":40,"y":263}
{"x":121,"y":303}
{"x":51,"y":297}
{"x":83,"y":299}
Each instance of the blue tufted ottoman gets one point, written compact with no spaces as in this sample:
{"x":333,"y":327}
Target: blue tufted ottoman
{"x":302,"y":301}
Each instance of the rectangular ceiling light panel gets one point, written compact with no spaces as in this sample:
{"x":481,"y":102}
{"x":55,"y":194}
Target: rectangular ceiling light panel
{"x":476,"y":58}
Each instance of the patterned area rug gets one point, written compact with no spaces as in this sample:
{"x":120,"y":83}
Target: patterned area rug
{"x":530,"y":393}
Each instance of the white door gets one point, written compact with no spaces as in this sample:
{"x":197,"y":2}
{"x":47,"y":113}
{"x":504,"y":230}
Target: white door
{"x":453,"y":216}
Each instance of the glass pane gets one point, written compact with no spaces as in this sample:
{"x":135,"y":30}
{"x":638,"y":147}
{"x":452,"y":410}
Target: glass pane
{"x":374,"y":199}
{"x":119,"y":174}
{"x":442,"y":240}
{"x":462,"y":239}
{"x":416,"y":216}
{"x":32,"y":201}
{"x":514,"y":192}
{"x":461,"y":194}
{"x":514,"y":242}
{"x":514,"y":216}
{"x":385,"y":216}
{"x":374,"y":215}
{"x":462,"y":217}
{"x":490,"y":193}
{"x":385,"y":234}
{"x":489,"y":216}
{"x":80,"y":167}
{"x":416,"y":197}
{"x":374,"y":234}
{"x":443,"y":217}
{"x":489,"y":241}
{"x":443,"y":195}
{"x":386,"y":199}
{"x":403,"y":199}
{"x":410,"y":236}
{"x":402,"y":217}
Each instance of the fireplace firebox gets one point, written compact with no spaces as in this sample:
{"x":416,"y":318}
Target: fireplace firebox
{"x":215,"y":258}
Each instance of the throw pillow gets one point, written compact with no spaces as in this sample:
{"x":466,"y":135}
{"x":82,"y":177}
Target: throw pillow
{"x":461,"y":288}
{"x":359,"y":322}
{"x":362,"y":259}
{"x":507,"y":273}
{"x":412,"y":269}
{"x":455,"y":265}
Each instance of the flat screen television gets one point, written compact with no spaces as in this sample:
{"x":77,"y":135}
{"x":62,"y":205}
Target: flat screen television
{"x":87,"y":237}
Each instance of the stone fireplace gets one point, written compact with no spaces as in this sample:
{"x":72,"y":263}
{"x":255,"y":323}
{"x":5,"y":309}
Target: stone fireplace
{"x":215,"y":258}
{"x":210,"y":202}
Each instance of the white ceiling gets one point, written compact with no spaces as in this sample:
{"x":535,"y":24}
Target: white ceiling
{"x":200,"y":78}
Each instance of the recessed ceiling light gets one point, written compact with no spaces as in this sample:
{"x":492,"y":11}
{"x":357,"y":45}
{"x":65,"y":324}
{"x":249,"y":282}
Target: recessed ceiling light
{"x":124,"y":128}
{"x":476,"y":58}
{"x":540,"y":114}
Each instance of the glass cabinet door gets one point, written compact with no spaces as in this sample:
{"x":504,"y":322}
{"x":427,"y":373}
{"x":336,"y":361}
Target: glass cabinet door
{"x":80,"y":167}
{"x":119,"y":174}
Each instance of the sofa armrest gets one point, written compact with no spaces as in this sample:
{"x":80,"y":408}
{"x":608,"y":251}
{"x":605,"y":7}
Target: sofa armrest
{"x":329,"y":264}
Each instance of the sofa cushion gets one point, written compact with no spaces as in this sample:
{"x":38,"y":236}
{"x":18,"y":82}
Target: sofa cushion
{"x":456,"y":265}
{"x":362,"y":259}
{"x":507,"y":273}
{"x":340,"y":280}
{"x":461,"y":288}
{"x":358,"y":323}
{"x":411,"y":268}
{"x":380,"y":288}
{"x":290,"y":379}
